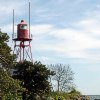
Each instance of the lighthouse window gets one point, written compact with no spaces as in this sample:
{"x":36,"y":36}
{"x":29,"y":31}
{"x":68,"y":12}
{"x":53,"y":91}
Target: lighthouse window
{"x":23,"y":26}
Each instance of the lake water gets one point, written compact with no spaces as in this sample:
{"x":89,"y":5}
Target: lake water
{"x":92,"y":97}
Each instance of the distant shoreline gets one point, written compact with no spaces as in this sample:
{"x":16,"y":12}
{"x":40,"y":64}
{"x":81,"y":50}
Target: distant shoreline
{"x":92,"y":97}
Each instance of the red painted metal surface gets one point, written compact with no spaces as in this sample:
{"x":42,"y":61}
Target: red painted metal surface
{"x":20,"y":40}
{"x":22,"y":30}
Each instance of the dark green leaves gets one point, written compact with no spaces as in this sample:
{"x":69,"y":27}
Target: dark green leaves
{"x":33,"y":76}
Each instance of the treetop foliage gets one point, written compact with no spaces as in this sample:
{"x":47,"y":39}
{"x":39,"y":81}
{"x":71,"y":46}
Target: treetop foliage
{"x":34,"y":77}
{"x":6,"y":58}
{"x":7,"y":83}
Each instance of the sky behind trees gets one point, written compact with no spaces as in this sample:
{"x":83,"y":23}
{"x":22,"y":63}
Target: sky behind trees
{"x":64,"y":31}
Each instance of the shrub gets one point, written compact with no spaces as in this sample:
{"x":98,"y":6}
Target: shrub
{"x":59,"y":98}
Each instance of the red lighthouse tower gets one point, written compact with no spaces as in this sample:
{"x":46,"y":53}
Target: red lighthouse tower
{"x":22,"y":40}
{"x":22,"y":46}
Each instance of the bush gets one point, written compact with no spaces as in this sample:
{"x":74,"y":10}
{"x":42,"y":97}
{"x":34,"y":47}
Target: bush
{"x":59,"y":98}
{"x":50,"y":98}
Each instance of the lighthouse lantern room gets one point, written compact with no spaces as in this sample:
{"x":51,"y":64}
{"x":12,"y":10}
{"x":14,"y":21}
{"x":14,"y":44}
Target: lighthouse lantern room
{"x":22,"y":30}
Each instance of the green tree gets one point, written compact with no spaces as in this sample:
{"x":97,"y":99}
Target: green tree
{"x":6,"y":58}
{"x":74,"y":94}
{"x":34,"y":77}
{"x":7,"y":83}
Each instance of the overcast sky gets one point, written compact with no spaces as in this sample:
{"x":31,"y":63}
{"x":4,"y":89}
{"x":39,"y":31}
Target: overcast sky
{"x":64,"y":31}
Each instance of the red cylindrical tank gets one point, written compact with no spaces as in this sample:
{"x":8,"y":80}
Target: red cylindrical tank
{"x":22,"y":30}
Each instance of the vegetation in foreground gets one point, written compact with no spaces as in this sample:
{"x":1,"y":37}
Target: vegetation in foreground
{"x":30,"y":80}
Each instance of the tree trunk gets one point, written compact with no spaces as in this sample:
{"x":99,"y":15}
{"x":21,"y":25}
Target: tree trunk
{"x":58,"y":86}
